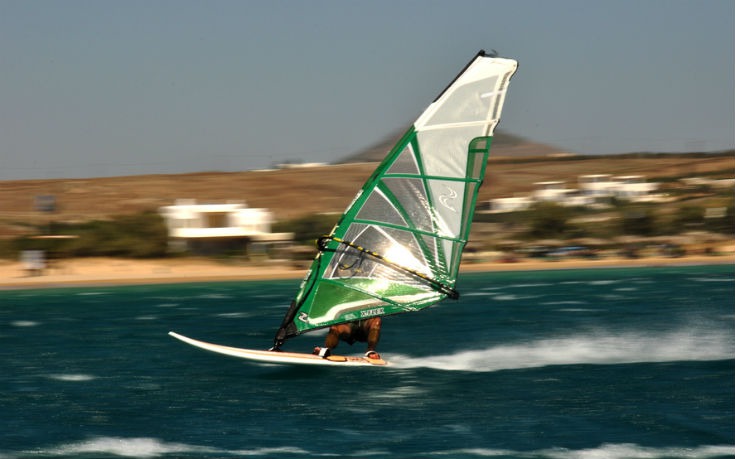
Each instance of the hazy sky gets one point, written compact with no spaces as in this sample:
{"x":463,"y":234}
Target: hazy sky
{"x":93,"y":88}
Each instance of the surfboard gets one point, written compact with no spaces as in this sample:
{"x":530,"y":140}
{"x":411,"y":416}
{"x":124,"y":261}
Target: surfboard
{"x":280,"y":357}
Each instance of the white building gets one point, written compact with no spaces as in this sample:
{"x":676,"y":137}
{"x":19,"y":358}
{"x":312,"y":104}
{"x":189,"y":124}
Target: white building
{"x":516,"y":204}
{"x":597,"y":185}
{"x":217,"y":227}
{"x":550,"y":191}
{"x":635,"y":188}
{"x":592,"y":189}
{"x":557,"y":193}
{"x":628,"y":187}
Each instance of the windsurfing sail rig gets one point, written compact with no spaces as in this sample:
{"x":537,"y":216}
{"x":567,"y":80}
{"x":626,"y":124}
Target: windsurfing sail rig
{"x":398,"y":245}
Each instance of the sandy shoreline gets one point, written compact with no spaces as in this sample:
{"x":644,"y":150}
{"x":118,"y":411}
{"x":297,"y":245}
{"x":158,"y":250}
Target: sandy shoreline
{"x":114,"y":271}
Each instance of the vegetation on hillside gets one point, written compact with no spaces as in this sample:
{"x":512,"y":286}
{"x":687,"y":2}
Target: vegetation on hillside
{"x":548,"y":220}
{"x":141,"y":235}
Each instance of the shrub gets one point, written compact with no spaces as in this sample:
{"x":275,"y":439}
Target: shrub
{"x":638,"y":220}
{"x":138,"y":236}
{"x":549,"y":220}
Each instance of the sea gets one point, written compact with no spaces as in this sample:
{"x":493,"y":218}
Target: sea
{"x":582,"y":364}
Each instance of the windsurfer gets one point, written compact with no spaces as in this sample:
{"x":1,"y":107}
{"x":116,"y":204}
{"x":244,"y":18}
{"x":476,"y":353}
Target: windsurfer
{"x":367,"y":330}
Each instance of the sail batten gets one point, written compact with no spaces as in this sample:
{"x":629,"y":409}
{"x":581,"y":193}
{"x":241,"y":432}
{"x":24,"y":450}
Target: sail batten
{"x":398,"y":245}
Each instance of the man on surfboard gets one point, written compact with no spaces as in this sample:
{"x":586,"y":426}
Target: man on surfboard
{"x":365,"y":331}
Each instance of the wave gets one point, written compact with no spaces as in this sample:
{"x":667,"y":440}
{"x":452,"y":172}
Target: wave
{"x":511,"y":297}
{"x":556,"y":303}
{"x":125,"y":447}
{"x":72,"y":377}
{"x":711,"y":279}
{"x":234,"y":315}
{"x":606,"y":451}
{"x":24,"y":323}
{"x":593,"y":348}
{"x":214,"y":296}
{"x":152,"y":448}
{"x":146,"y":318}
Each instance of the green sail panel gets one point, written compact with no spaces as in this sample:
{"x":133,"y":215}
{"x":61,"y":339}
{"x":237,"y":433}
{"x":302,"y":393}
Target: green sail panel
{"x":398,"y":245}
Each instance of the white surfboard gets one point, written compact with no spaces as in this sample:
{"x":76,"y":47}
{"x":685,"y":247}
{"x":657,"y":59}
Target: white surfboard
{"x":280,"y":356}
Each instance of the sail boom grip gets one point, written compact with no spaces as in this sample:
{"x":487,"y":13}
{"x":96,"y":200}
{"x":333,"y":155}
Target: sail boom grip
{"x":439,"y":286}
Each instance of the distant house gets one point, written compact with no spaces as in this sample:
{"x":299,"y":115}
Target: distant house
{"x":557,"y":193}
{"x":516,"y":204}
{"x":550,"y":191}
{"x":628,"y":187}
{"x":593,"y":189}
{"x":216,"y":228}
{"x":597,"y":185}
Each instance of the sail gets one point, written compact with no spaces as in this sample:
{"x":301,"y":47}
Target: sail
{"x":397,"y":247}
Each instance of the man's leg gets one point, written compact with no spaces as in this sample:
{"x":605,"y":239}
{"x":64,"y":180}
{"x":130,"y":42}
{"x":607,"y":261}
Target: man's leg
{"x":332,"y":339}
{"x":373,"y":335}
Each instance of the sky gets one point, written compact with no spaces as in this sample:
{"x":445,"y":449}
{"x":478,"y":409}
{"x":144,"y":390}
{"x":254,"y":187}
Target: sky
{"x":106,"y":88}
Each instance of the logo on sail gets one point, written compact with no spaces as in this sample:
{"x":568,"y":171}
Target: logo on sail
{"x":372,"y":312}
{"x":447,"y":198}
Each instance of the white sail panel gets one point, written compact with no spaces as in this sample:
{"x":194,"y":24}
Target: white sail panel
{"x":405,"y":163}
{"x":452,"y":143}
{"x":476,"y":96}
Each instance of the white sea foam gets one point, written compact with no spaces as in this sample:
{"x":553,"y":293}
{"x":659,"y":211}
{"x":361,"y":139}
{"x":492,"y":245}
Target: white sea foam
{"x":270,"y":452}
{"x":72,"y":377}
{"x":528,"y":285}
{"x":604,"y":282}
{"x":24,"y":323}
{"x":167,"y":305}
{"x":127,"y":447}
{"x":554,"y":303}
{"x":605,"y":451}
{"x":633,"y":451}
{"x":595,"y":348}
{"x":234,"y":315}
{"x":511,"y":297}
{"x":153,"y":447}
{"x":214,"y":296}
{"x":399,"y":392}
{"x":711,"y":279}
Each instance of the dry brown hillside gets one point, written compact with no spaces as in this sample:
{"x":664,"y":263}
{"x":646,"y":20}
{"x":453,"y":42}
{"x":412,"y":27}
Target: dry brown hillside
{"x":291,"y":193}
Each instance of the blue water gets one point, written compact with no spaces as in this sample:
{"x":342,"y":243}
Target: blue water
{"x":613,"y":363}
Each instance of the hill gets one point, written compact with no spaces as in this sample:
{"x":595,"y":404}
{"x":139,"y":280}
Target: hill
{"x":291,"y":193}
{"x":505,"y":145}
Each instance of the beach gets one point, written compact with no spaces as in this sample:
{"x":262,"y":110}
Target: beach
{"x":118,"y":271}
